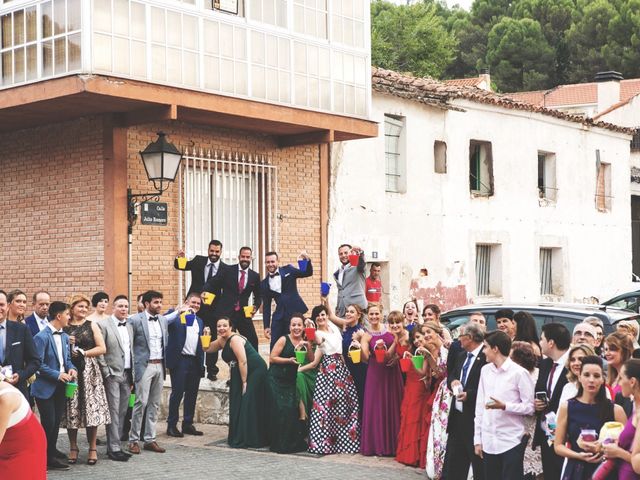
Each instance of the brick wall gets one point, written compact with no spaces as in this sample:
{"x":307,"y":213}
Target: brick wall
{"x":52,"y":208}
{"x":154,"y":247}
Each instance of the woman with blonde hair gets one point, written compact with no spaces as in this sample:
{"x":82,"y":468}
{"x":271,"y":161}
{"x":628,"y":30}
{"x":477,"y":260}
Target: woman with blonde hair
{"x":88,"y":408}
{"x":16,"y":305}
{"x":574,"y":362}
{"x":618,"y":348}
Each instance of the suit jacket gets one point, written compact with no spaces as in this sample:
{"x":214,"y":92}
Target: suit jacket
{"x":226,"y":282}
{"x":471,"y":387}
{"x":351,"y":290}
{"x":20,"y":352}
{"x":288,"y":301}
{"x":112,"y":362}
{"x":32,"y":323}
{"x":47,"y":377}
{"x":177,"y":333}
{"x":141,"y":351}
{"x":541,"y":386}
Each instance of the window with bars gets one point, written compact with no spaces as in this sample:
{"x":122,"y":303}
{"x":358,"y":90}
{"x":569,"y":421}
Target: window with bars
{"x":635,"y":140}
{"x":480,"y":168}
{"x":488,"y":273}
{"x":546,"y":279}
{"x":394,"y":153}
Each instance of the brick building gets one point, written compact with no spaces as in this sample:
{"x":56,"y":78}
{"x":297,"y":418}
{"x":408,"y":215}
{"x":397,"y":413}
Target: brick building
{"x":86,"y":86}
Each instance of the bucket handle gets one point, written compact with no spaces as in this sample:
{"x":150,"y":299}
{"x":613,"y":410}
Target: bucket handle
{"x":404,"y":355}
{"x":355,"y":346}
{"x":301,"y":347}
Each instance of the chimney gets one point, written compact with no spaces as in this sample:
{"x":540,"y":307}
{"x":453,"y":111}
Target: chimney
{"x":486,"y":79}
{"x":608,"y":89}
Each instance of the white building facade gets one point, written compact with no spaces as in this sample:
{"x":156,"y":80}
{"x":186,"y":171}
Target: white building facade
{"x":495,"y":199}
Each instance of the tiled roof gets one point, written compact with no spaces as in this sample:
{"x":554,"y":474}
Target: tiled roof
{"x":440,"y":94}
{"x":464,"y":82}
{"x":575,"y":94}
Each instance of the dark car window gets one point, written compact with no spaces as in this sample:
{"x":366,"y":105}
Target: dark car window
{"x":628,"y":303}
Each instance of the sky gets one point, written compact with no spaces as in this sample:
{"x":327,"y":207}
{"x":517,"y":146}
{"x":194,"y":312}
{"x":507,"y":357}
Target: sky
{"x":466,"y":4}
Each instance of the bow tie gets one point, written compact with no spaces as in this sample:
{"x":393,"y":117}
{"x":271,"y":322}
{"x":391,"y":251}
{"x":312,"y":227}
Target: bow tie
{"x":277,"y":274}
{"x":123,"y":324}
{"x":153,"y":319}
{"x":57,"y":333}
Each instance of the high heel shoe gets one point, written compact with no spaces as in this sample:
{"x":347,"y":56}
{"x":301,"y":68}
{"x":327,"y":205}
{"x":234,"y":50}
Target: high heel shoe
{"x":92,"y":461}
{"x":71,"y":459}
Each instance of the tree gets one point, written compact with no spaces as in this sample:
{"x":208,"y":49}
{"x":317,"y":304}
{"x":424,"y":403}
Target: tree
{"x":410,"y":38}
{"x":519,"y":55}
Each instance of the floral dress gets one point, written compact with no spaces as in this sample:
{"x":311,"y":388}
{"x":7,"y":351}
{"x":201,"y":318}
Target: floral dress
{"x":437,"y":443}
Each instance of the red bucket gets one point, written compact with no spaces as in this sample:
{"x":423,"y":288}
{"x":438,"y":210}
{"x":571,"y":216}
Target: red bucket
{"x":380,"y":355}
{"x":353,"y":259}
{"x":310,"y":333}
{"x":405,"y":364}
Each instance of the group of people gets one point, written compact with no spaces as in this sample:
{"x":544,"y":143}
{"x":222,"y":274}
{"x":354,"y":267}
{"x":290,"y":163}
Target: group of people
{"x":505,"y":404}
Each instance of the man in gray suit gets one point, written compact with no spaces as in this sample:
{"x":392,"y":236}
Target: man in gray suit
{"x":149,"y":345}
{"x":350,"y":280}
{"x":116,"y":366}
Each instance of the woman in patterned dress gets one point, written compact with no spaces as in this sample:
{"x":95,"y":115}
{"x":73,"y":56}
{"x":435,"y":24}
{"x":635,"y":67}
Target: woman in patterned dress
{"x":334,"y":426}
{"x":88,"y":407}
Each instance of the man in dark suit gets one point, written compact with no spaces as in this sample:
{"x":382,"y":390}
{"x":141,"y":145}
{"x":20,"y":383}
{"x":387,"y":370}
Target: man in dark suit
{"x":202,"y":269}
{"x":39,"y":317}
{"x":55,"y":370}
{"x":463,"y":381}
{"x":555,"y":341}
{"x":280,"y":285}
{"x":236,"y":283}
{"x":184,"y":361}
{"x":17,"y":349}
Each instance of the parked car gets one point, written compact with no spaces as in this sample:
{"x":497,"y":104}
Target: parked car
{"x":628,"y":301}
{"x":567,"y":314}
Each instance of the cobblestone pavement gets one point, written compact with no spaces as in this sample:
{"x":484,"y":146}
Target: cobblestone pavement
{"x":208,"y":457}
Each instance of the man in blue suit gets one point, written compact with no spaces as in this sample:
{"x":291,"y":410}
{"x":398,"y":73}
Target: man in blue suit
{"x":184,"y":359}
{"x":280,"y":284}
{"x":17,"y":349}
{"x":55,"y":371}
{"x":39,"y":318}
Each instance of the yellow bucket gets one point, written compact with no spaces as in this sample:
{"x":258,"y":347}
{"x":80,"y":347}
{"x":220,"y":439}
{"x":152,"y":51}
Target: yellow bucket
{"x":355,"y":355}
{"x":248,"y":311}
{"x":205,"y":340}
{"x":208,"y":297}
{"x":182,"y":263}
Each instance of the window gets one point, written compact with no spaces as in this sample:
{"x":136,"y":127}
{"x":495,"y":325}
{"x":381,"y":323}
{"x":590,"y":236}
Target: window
{"x":603,"y":185}
{"x":439,"y":157}
{"x":551,"y":271}
{"x":488,"y":270}
{"x":310,"y":17}
{"x":273,"y":12}
{"x":480,"y":168}
{"x":635,"y":141}
{"x":393,"y":152}
{"x":547,"y":176}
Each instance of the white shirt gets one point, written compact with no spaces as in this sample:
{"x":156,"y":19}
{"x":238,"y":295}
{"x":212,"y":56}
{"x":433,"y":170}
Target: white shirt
{"x":474,"y":355}
{"x":191,"y":341}
{"x":275,"y":282}
{"x":501,"y":430}
{"x":341,"y":272}
{"x":560,"y":363}
{"x":209,"y":265}
{"x":57,"y":339}
{"x":155,"y":339}
{"x":332,"y":339}
{"x":41,"y":322}
{"x":123,"y":333}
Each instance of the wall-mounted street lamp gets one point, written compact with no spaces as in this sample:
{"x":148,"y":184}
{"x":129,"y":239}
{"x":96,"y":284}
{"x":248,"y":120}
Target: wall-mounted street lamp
{"x":161,"y":161}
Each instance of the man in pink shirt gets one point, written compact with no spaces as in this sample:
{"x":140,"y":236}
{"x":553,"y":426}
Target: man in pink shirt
{"x":505,"y":398}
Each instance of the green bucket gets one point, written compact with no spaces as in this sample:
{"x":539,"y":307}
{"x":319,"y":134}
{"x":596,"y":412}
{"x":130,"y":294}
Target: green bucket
{"x":132,"y":400}
{"x":418,"y":361}
{"x":70,"y":389}
{"x":301,"y":356}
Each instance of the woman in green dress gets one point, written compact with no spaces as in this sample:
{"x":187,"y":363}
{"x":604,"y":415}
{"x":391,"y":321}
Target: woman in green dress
{"x":306,"y":380}
{"x":247,"y":392}
{"x":286,"y":431}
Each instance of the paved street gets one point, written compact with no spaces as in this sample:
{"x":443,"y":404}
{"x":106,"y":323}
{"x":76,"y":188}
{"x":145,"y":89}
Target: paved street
{"x":208,"y":457}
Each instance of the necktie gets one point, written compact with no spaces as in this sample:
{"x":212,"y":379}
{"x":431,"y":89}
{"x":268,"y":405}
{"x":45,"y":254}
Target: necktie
{"x":274,"y":275}
{"x":550,"y":381}
{"x":124,"y":324}
{"x":57,"y":333}
{"x":211,"y":273}
{"x":465,"y":369}
{"x":153,"y":319}
{"x":2,"y":341}
{"x":241,"y":281}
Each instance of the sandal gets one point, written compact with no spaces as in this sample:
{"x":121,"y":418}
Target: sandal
{"x":71,"y":459}
{"x":92,"y":461}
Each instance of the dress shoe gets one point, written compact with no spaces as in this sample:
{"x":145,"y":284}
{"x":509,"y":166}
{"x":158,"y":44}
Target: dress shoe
{"x":118,"y":456}
{"x":134,"y":448}
{"x":154,"y":447}
{"x":55,"y":464}
{"x":189,"y":429}
{"x":173,"y":431}
{"x":128,"y":455}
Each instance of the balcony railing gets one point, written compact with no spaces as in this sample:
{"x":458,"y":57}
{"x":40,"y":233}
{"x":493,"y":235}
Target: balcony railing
{"x":312,"y":54}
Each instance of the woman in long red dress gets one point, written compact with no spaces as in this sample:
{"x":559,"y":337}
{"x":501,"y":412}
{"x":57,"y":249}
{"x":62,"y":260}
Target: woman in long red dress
{"x":23,"y":445}
{"x":414,"y":426}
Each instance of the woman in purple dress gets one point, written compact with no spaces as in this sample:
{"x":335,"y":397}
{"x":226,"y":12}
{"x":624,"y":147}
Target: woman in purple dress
{"x":629,"y":381}
{"x":383,"y":388}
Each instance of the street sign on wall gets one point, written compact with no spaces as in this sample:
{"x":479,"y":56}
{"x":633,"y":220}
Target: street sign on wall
{"x":153,"y":213}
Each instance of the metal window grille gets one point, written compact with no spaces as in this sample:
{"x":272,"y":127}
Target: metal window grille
{"x":232,"y":198}
{"x":546,"y":285}
{"x":393,"y":169}
{"x":635,"y":141}
{"x":483,"y":269}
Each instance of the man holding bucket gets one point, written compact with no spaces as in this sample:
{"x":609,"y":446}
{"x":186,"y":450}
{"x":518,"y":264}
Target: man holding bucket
{"x":184,"y":361}
{"x":280,"y":285}
{"x":350,"y":279}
